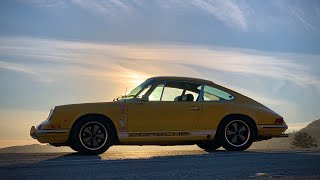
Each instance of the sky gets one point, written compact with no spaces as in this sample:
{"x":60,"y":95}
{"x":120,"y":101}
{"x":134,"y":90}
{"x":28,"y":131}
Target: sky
{"x":55,"y":52}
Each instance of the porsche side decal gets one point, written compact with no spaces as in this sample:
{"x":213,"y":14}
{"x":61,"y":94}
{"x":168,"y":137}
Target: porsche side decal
{"x":167,"y":134}
{"x":159,"y":134}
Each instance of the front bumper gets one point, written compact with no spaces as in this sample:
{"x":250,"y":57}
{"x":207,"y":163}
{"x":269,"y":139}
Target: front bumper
{"x":49,"y":135}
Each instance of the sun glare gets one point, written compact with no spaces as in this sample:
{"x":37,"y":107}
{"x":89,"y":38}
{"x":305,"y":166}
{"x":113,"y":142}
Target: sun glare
{"x":135,"y":78}
{"x":131,"y":79}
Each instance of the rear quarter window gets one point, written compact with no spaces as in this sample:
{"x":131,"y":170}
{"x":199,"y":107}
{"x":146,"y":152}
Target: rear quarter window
{"x":214,"y":94}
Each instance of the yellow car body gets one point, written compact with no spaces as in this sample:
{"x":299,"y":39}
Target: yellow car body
{"x":139,"y":121}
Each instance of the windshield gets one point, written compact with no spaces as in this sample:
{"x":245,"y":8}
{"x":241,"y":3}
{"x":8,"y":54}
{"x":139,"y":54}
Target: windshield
{"x":141,"y":88}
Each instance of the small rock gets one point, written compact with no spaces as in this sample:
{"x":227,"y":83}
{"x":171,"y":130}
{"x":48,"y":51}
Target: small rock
{"x":261,"y":175}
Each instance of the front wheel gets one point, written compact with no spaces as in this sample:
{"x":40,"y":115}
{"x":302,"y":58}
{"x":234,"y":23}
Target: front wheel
{"x":209,"y":146}
{"x":91,"y":136}
{"x":237,"y":134}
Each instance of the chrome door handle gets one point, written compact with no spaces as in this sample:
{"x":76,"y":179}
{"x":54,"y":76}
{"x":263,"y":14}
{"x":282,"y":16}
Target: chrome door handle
{"x":194,"y":108}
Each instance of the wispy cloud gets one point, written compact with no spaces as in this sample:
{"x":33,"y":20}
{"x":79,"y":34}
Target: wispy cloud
{"x":47,"y":3}
{"x":16,"y":67}
{"x":113,"y":56}
{"x":105,"y":7}
{"x":225,"y":10}
{"x":296,"y":10}
{"x":241,"y":15}
{"x":298,"y":15}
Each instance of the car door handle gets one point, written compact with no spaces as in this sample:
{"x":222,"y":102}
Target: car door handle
{"x":194,"y":108}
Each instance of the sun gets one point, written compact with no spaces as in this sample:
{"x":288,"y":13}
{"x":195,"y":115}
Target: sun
{"x":135,"y":78}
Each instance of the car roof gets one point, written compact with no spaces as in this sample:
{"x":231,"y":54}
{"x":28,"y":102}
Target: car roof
{"x":180,"y":78}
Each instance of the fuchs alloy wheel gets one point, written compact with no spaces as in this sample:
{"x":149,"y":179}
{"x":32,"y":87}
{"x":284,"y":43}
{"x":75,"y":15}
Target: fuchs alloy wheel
{"x":237,"y":135}
{"x":92,"y":135}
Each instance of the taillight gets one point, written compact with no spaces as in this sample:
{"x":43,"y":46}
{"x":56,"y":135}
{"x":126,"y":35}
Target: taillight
{"x":278,"y":121}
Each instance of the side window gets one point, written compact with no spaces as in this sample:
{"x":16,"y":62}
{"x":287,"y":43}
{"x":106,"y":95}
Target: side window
{"x":214,"y":94}
{"x":171,"y":93}
{"x":175,"y":91}
{"x":195,"y":95}
{"x":156,"y":93}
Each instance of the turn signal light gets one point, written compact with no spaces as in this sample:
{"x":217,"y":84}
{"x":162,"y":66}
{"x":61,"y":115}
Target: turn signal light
{"x":278,"y":121}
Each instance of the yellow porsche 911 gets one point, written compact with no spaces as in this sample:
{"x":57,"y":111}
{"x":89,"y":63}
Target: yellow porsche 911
{"x":163,"y":111}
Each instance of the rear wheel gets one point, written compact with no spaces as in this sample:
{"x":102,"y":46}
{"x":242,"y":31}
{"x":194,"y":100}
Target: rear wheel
{"x":236,"y":134}
{"x":92,"y":135}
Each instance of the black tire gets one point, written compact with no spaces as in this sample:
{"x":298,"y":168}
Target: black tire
{"x":236,"y":134}
{"x":209,"y":146}
{"x":92,"y":135}
{"x":73,"y":147}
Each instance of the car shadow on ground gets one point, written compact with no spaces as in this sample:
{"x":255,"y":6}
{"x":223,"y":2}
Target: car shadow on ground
{"x":45,"y":159}
{"x":75,"y":156}
{"x":141,"y":155}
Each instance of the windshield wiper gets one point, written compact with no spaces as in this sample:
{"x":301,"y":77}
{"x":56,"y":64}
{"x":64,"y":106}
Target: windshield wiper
{"x":122,"y":97}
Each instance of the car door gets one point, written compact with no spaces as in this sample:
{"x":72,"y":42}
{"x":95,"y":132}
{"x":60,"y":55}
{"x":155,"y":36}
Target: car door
{"x":172,"y":108}
{"x":215,"y":106}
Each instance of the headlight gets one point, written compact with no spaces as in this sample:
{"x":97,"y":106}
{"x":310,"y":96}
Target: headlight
{"x":50,"y":114}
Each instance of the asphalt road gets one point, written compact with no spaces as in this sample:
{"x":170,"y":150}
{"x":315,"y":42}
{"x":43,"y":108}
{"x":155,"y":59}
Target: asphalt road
{"x":162,"y":165}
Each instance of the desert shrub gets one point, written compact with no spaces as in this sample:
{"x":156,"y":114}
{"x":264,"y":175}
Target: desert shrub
{"x":303,"y":140}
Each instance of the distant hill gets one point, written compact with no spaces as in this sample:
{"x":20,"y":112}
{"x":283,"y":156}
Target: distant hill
{"x":313,"y":129}
{"x":284,"y":143}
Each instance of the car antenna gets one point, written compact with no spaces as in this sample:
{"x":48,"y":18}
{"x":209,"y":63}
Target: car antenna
{"x":125,"y":93}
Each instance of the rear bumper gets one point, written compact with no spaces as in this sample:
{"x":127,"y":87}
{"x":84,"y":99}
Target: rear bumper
{"x":272,"y":130}
{"x":49,"y":135}
{"x":280,"y":126}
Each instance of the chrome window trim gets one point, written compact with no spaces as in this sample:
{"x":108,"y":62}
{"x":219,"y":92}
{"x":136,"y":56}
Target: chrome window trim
{"x":164,"y":85}
{"x":152,"y":84}
{"x":200,"y":99}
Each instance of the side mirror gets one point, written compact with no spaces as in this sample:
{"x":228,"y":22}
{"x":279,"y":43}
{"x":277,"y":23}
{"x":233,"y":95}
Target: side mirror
{"x":145,"y":98}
